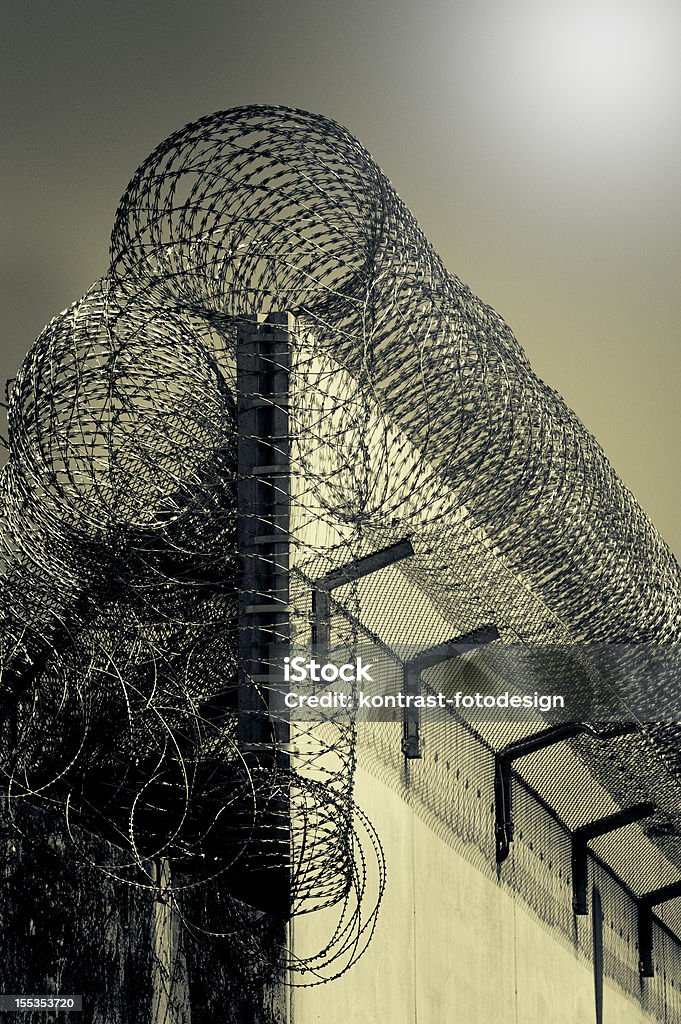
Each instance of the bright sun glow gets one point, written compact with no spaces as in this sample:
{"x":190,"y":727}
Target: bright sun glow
{"x":584,"y":82}
{"x":599,"y":63}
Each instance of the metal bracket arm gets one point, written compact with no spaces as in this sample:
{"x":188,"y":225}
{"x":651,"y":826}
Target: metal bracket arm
{"x":348,"y":573}
{"x":646,"y":903}
{"x":580,"y":845}
{"x":411,"y":679}
{"x":503,"y":792}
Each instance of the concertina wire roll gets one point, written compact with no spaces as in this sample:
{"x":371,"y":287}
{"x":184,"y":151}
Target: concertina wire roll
{"x":413,"y":412}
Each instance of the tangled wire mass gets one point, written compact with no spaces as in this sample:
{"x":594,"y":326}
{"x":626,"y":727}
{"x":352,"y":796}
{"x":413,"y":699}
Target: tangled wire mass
{"x":412,"y":412}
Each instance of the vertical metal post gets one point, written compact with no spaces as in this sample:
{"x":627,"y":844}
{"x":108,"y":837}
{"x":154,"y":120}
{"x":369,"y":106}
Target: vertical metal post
{"x":411,"y":716}
{"x":263,"y":366}
{"x":597,"y":936}
{"x":263,"y":499}
{"x":646,"y":964}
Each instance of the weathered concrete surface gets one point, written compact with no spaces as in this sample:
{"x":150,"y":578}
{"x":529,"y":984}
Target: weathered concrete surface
{"x":452,"y":946}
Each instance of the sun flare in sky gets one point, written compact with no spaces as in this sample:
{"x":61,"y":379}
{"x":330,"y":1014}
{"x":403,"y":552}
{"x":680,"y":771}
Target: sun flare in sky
{"x":592,"y":87}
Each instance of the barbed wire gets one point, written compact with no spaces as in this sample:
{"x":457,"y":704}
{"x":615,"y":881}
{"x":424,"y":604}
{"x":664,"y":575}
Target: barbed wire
{"x":413,"y":412}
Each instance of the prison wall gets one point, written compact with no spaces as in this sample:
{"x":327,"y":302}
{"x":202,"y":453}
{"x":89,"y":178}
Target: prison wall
{"x":454,"y":942}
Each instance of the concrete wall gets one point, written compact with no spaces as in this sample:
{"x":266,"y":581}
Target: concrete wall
{"x":452,"y":944}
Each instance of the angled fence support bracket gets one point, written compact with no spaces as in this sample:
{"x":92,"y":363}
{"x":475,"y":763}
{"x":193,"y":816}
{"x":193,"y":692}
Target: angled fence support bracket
{"x":411,"y":679}
{"x":503,"y":766}
{"x":580,"y":844}
{"x":348,"y":573}
{"x":645,"y":924}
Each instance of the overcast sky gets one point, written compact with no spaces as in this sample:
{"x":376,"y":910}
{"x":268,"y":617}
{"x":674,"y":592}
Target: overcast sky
{"x":537,"y":143}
